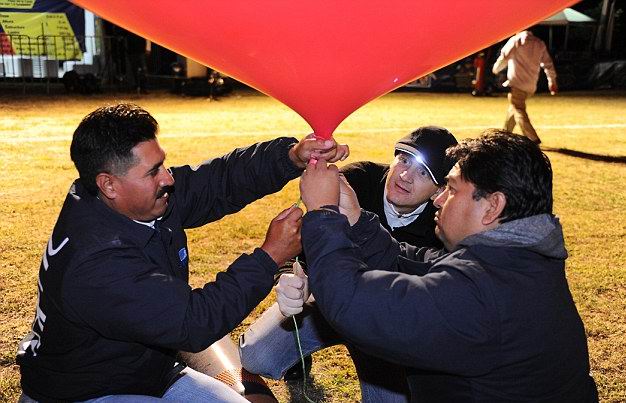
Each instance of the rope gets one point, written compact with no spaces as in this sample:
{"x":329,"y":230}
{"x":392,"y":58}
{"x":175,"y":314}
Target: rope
{"x":295,"y":327}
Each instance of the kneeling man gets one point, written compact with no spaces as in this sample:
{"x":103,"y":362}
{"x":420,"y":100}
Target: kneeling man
{"x":488,"y":318}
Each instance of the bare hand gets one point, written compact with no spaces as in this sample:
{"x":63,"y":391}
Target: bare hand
{"x":319,"y":185}
{"x":282,"y":241}
{"x":312,"y":148}
{"x":292,"y":291}
{"x":348,"y":202}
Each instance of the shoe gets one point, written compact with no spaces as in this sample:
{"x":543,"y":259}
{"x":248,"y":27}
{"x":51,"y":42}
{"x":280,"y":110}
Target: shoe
{"x":256,"y":389}
{"x":295,"y":373}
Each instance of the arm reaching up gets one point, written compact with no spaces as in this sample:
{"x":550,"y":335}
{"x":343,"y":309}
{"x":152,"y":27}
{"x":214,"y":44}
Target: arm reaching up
{"x":319,"y":185}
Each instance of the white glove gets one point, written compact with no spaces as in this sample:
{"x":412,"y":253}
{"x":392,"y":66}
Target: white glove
{"x":292,"y":291}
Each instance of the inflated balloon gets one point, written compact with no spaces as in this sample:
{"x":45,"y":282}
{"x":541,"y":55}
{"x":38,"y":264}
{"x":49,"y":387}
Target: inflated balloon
{"x":325,"y":58}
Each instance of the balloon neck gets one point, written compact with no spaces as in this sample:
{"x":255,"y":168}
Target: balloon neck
{"x":323,"y":135}
{"x":320,"y":136}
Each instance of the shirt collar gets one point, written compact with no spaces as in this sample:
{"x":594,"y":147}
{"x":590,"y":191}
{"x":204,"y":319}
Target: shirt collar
{"x":150,"y":224}
{"x":396,"y":219}
{"x":140,"y":234}
{"x":146,"y":223}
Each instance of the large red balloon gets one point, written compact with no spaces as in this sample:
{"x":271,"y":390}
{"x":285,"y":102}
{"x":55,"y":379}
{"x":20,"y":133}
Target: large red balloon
{"x":325,"y":58}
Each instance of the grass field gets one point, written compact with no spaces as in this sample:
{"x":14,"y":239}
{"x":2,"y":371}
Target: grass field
{"x":583,"y":134}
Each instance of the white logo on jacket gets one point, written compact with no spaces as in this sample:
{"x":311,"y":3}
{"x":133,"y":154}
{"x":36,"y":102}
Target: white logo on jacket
{"x":33,"y":338}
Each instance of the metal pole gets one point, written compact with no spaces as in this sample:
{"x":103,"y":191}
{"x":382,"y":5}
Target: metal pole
{"x":550,"y":44}
{"x":601,"y":25}
{"x":608,"y":45}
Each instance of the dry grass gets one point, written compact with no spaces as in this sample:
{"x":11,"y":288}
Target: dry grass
{"x":589,"y":196}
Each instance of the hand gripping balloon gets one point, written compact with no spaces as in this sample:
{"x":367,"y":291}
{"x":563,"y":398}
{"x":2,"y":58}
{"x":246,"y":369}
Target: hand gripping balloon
{"x":325,"y":58}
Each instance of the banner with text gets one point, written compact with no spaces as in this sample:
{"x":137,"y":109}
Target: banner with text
{"x":51,"y":28}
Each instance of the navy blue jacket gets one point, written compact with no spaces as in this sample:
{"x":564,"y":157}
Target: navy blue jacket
{"x":114,"y":303}
{"x":492,"y":321}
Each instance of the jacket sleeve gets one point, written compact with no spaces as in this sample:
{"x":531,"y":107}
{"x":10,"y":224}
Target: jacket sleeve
{"x":121,"y":295}
{"x":377,"y":246}
{"x":548,"y":66}
{"x":227,"y":184}
{"x":359,"y":176}
{"x":508,"y":48}
{"x":381,"y":251}
{"x":437,"y":321}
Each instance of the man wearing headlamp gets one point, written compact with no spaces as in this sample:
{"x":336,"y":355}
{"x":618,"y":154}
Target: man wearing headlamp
{"x":401,"y":195}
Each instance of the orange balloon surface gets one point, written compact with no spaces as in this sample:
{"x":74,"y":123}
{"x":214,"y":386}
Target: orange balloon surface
{"x":325,"y":58}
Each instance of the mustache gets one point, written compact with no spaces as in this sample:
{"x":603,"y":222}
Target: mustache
{"x":165,"y":189}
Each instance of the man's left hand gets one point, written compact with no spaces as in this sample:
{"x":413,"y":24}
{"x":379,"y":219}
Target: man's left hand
{"x":312,"y":148}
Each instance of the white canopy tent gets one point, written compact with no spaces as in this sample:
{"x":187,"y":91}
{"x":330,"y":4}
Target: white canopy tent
{"x":565,"y":17}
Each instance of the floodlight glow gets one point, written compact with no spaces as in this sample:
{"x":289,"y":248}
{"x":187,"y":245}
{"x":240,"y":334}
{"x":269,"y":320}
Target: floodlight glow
{"x":417,"y":156}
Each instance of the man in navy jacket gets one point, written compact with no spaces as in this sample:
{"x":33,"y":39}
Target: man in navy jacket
{"x":114,"y":304}
{"x":491,"y":317}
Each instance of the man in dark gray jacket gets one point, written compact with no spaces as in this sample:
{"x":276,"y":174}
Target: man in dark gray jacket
{"x":491,"y":317}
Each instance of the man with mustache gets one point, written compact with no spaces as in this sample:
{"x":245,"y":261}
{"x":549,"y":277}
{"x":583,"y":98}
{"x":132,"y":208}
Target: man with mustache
{"x":114,"y":305}
{"x":490,"y":318}
{"x":400,"y":194}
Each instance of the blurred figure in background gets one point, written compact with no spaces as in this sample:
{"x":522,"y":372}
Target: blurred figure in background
{"x":139,"y":49}
{"x":523,"y":55}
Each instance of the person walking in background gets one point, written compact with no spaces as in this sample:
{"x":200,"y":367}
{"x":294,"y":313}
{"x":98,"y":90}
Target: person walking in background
{"x":139,"y":48}
{"x":523,"y":55}
{"x":130,"y":54}
{"x":478,"y":83}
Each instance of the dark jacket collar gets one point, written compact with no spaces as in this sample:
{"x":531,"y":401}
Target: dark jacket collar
{"x":109,"y":219}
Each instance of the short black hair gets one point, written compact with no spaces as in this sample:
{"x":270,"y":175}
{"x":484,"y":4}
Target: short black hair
{"x":104,"y":140}
{"x":500,"y":161}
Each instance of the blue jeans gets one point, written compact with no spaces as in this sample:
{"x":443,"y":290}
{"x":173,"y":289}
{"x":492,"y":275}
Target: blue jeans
{"x":192,"y":386}
{"x":269,"y":348}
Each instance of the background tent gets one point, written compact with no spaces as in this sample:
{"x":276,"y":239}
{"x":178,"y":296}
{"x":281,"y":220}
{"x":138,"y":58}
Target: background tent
{"x":566,"y":18}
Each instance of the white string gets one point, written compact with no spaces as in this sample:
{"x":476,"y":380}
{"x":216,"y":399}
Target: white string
{"x":295,"y":327}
